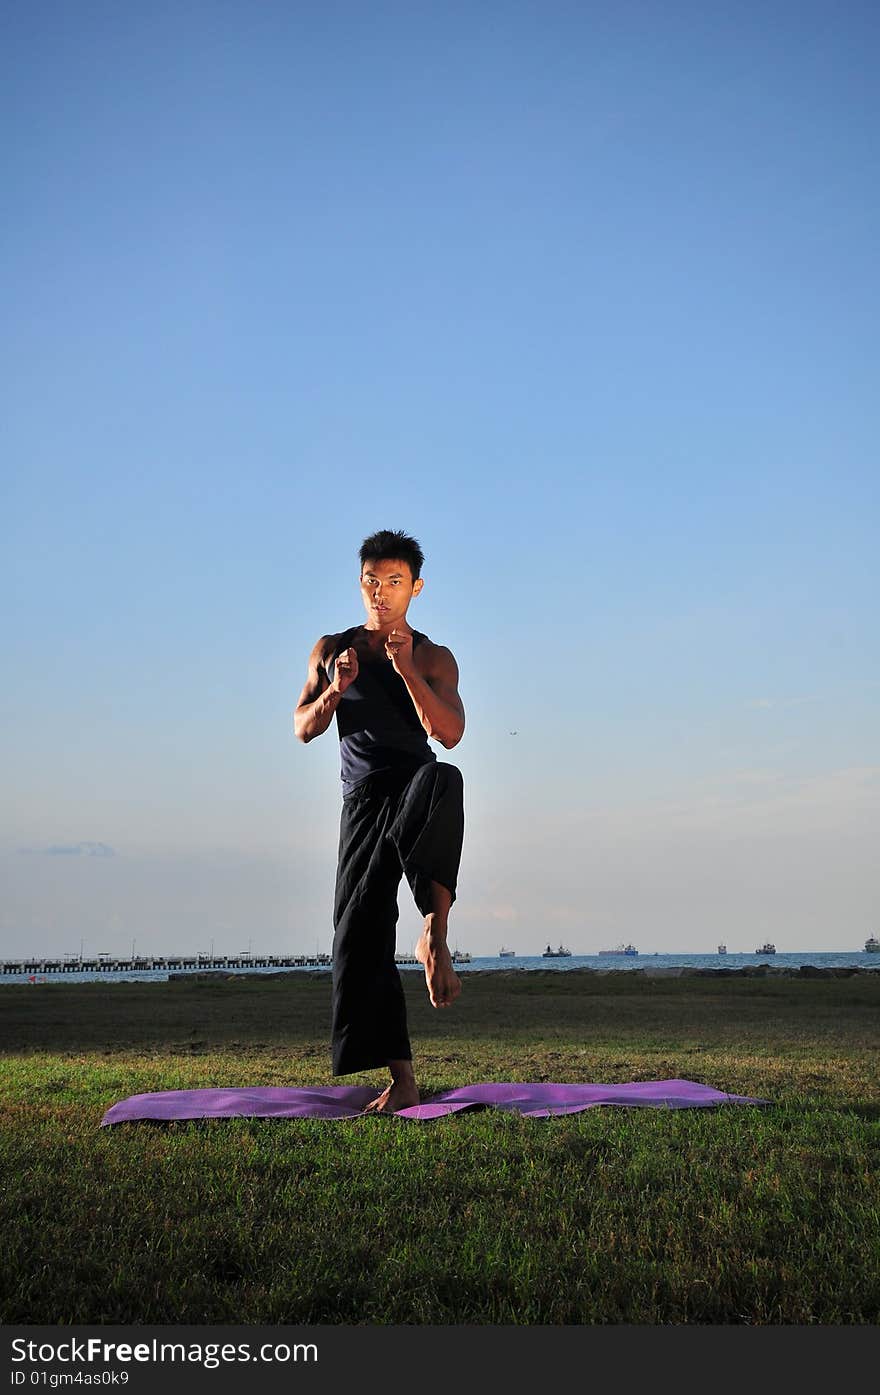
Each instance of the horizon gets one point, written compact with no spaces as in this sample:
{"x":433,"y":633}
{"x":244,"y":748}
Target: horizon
{"x":258,"y":959}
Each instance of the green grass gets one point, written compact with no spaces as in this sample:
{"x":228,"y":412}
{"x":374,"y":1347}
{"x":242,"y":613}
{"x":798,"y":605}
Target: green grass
{"x":636,"y":1216}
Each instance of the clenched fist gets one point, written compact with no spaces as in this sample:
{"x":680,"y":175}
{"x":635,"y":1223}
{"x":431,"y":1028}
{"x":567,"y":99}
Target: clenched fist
{"x":398,"y":647}
{"x":346,"y":670}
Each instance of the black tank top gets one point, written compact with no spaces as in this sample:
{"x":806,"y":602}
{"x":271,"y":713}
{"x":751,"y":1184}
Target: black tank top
{"x":378,"y":726}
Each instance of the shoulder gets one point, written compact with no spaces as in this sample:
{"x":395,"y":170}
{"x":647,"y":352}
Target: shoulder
{"x":328,"y":646}
{"x":435,"y":659}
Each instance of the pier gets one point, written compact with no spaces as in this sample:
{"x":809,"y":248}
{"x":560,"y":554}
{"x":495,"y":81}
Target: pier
{"x":110,"y":964}
{"x":174,"y":963}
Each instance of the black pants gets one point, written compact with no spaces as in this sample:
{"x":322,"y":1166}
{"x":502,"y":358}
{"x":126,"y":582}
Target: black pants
{"x":392,"y":825}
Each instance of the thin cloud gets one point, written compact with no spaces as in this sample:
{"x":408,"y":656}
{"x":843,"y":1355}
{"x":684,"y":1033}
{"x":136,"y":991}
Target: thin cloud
{"x":72,"y":850}
{"x":782,"y":702}
{"x":504,"y":913}
{"x":757,"y":777}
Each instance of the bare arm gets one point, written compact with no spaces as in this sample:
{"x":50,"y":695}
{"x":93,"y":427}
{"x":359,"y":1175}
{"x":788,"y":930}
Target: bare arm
{"x":319,"y":698}
{"x":434,"y":690}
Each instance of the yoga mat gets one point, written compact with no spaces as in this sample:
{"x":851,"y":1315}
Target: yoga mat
{"x":538,"y":1101}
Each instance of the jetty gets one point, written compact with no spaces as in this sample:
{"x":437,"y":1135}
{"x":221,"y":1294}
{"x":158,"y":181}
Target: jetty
{"x":106,"y":963}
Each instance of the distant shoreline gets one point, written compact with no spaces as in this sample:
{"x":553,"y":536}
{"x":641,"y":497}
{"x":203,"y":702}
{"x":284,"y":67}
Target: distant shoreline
{"x":38,"y":970}
{"x":805,"y":972}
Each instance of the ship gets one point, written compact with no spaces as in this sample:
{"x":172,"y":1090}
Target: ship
{"x":722,"y":949}
{"x":460,"y":956}
{"x":872,"y":945}
{"x":620,"y":949}
{"x":766,"y":949}
{"x":560,"y":953}
{"x":506,"y":953}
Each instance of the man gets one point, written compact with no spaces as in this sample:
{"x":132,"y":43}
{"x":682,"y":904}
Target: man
{"x":390,"y":689}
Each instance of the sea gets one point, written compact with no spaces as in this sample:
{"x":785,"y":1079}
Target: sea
{"x":647,"y":963}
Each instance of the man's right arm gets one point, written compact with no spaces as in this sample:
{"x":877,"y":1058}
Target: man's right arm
{"x":319,"y":698}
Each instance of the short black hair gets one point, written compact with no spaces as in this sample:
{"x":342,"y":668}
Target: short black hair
{"x":386,"y":546}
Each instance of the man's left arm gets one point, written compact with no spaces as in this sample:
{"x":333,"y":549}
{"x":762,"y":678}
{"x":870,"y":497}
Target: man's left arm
{"x":434,"y":689}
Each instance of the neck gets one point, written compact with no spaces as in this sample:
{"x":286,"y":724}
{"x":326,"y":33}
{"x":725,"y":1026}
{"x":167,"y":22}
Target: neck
{"x":384,"y":627}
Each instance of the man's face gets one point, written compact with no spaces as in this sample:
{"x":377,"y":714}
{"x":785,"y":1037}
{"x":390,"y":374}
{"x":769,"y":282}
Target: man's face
{"x":387,"y":589}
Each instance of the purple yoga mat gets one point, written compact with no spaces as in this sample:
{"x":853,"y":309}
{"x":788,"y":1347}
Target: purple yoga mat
{"x":348,"y":1101}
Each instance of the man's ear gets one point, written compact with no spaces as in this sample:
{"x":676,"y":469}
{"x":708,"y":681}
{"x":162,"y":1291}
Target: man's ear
{"x":417,"y":586}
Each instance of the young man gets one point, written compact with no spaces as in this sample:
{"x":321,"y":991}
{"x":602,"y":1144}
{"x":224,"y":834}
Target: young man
{"x":391,"y":689}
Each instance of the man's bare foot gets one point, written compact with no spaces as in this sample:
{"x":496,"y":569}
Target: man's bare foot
{"x":398,"y":1095}
{"x":402,"y":1093}
{"x":443,"y":982}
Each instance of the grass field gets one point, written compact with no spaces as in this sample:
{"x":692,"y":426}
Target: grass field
{"x":738,"y":1215}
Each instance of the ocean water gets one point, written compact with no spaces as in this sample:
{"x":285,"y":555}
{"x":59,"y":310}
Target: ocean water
{"x":830,"y":959}
{"x":819,"y":959}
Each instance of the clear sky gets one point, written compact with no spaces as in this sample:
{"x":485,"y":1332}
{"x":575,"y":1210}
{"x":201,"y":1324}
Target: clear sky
{"x":585,"y":296}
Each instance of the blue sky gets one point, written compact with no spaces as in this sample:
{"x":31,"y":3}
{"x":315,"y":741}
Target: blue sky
{"x":583,"y":295}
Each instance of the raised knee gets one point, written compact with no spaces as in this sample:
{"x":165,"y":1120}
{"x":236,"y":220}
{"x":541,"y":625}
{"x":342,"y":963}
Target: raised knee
{"x":451,"y":774}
